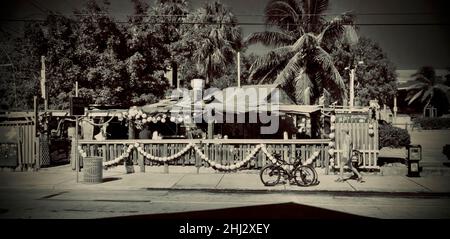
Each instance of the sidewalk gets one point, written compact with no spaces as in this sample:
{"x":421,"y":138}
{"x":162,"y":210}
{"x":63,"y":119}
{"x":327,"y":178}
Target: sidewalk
{"x":186,"y":178}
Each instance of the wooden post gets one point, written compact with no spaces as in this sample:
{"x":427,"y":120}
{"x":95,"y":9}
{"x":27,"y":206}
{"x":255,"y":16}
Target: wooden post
{"x":210,"y":130}
{"x":164,"y":154}
{"x":36,"y":155}
{"x":141,"y":162}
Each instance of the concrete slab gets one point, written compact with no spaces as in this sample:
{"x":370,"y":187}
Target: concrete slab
{"x":172,"y":169}
{"x":387,"y":184}
{"x":199,"y":181}
{"x":326,"y":183}
{"x":245,"y":182}
{"x":121,"y":181}
{"x":435,"y":184}
{"x":31,"y":179}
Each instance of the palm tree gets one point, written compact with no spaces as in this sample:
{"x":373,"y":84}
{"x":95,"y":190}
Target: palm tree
{"x":300,"y":61}
{"x":428,"y":86}
{"x":215,"y":36}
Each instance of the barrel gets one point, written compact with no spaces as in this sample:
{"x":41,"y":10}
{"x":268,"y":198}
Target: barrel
{"x":93,"y":170}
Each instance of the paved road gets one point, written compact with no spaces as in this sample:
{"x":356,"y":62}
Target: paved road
{"x":40,"y":203}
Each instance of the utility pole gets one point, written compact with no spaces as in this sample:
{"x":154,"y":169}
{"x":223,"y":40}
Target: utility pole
{"x":44,"y":84}
{"x":352,"y":82}
{"x":77,"y":160}
{"x":352,"y":85}
{"x":239,"y":69}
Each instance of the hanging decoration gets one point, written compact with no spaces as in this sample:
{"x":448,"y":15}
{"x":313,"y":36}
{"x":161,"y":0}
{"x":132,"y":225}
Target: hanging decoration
{"x":371,"y":131}
{"x":128,"y":149}
{"x":140,"y":118}
{"x":332,"y":143}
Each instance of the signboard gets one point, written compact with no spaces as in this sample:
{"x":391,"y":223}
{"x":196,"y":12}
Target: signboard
{"x":8,"y":155}
{"x":77,"y":105}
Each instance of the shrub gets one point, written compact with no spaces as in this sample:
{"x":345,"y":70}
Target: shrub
{"x":393,"y":137}
{"x":432,"y":123}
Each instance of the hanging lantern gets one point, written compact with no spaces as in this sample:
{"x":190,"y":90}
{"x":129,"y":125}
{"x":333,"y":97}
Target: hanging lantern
{"x":172,"y":119}
{"x":333,"y":118}
{"x":331,"y":144}
{"x":371,"y":132}
{"x":332,"y":128}
{"x":144,"y":115}
{"x":144,"y":121}
{"x":154,"y":120}
{"x":316,"y":154}
{"x":163,"y":120}
{"x":158,"y":118}
{"x":370,"y":126}
{"x":164,"y":116}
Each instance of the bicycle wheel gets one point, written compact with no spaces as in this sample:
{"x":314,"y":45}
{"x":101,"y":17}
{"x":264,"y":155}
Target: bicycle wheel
{"x":270,"y":175}
{"x":305,"y":175}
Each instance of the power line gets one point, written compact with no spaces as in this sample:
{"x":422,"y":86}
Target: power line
{"x":45,"y":11}
{"x":280,"y":15}
{"x":241,"y":23}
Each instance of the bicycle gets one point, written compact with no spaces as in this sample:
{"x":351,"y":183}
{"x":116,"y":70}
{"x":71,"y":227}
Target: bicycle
{"x":304,"y":175}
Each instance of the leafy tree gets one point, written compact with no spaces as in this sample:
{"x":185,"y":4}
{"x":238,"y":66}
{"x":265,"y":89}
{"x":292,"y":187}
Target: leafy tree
{"x":211,"y":42}
{"x":301,"y":62}
{"x":428,"y":87}
{"x":375,"y":78}
{"x":20,"y":74}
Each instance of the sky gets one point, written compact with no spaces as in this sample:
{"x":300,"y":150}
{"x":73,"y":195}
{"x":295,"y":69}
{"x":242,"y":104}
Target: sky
{"x":408,"y":46}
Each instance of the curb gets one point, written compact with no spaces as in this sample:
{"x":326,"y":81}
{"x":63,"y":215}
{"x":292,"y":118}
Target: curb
{"x":384,"y":194}
{"x":417,"y":194}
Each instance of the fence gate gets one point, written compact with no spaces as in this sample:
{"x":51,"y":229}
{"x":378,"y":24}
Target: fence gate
{"x":364,"y":132}
{"x":18,"y":142}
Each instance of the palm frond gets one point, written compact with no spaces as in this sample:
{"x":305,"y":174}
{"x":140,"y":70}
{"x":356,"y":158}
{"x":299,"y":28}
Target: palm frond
{"x":324,"y":59}
{"x":429,"y":93}
{"x":414,"y":97}
{"x":441,"y":87}
{"x":294,"y":66}
{"x":316,"y":6}
{"x":306,"y":40}
{"x":340,"y":26}
{"x":274,"y":39}
{"x":283,"y":13}
{"x":416,"y":86}
{"x":422,"y":78}
{"x":303,"y":88}
{"x":271,"y":62}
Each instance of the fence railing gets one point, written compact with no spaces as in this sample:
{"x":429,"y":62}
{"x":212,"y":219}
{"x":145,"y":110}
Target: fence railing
{"x":219,"y":151}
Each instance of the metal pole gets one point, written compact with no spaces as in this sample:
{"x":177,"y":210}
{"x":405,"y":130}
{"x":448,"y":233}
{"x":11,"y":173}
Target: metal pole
{"x":76,"y":88}
{"x":352,"y":83}
{"x":239,"y":69}
{"x":77,"y":162}
{"x":395,"y":109}
{"x":44,"y":84}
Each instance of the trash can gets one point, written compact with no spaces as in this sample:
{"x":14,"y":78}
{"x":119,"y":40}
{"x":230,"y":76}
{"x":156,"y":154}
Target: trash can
{"x":414,"y":157}
{"x":93,"y":170}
